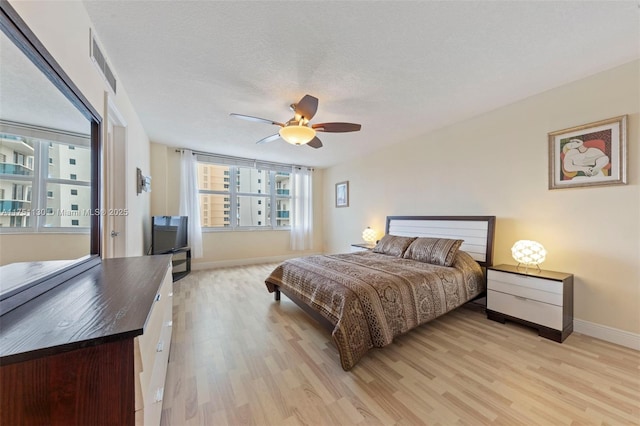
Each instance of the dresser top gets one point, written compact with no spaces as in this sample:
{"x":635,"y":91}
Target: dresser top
{"x":531,"y":271}
{"x":108,"y":302}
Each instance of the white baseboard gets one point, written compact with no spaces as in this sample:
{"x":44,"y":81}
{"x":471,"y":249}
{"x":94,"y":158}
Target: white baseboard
{"x":200,"y":266}
{"x":609,"y":334}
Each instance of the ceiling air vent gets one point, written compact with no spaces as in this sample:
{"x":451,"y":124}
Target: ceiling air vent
{"x":98,"y":58}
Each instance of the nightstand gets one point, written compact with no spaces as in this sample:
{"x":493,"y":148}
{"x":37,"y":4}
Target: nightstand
{"x":539,"y":299}
{"x":361,"y":247}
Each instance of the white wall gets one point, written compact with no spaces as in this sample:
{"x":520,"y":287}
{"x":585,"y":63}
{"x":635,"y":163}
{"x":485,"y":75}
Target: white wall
{"x":496,"y":164}
{"x":63,"y":28}
{"x":228,"y":248}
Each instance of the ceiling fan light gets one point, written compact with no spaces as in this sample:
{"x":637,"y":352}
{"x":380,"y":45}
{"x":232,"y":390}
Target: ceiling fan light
{"x":297,"y":135}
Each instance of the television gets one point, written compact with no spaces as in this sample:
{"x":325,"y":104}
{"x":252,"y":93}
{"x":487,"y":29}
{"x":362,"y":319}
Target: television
{"x":168,"y":233}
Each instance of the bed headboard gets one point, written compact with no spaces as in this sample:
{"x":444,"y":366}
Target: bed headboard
{"x":476,"y":231}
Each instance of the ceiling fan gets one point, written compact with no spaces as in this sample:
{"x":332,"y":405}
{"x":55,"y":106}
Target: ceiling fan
{"x":297,"y":130}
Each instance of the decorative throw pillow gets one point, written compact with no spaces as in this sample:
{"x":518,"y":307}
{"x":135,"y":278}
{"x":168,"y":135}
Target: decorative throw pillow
{"x":393,"y":245}
{"x":437,"y":251}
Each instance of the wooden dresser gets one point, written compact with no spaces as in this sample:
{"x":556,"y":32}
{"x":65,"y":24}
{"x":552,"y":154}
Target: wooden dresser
{"x":92,"y":350}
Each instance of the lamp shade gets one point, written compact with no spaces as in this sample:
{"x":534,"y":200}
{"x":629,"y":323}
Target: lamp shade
{"x":528,"y":252}
{"x":369,"y":235}
{"x":297,"y":134}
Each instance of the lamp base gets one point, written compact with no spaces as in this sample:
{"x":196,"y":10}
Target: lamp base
{"x":526,"y":269}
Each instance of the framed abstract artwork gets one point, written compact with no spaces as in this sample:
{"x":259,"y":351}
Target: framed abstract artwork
{"x":342,"y":194}
{"x":589,"y":155}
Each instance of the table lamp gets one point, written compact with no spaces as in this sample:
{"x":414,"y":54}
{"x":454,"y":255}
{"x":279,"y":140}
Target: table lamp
{"x":369,"y":235}
{"x":527,"y":252}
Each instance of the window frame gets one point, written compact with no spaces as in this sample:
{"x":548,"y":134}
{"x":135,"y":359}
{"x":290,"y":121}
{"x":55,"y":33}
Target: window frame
{"x":43,"y":140}
{"x":232,"y":193}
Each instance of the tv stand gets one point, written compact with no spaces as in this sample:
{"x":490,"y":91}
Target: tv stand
{"x":180,"y":262}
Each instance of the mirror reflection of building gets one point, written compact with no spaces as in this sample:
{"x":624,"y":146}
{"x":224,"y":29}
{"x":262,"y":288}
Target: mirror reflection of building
{"x":46,"y":162}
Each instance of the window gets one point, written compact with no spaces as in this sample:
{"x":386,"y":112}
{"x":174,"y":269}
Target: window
{"x":37,"y":183}
{"x":240,"y":196}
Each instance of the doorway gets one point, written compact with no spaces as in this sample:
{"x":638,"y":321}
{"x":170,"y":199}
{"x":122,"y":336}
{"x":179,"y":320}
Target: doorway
{"x":114,"y":215}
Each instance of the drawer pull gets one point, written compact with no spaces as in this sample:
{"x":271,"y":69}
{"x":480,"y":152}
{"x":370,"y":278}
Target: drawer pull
{"x":160,"y":346}
{"x":158,"y":297}
{"x":159,"y":395}
{"x":171,"y":294}
{"x":520,"y":297}
{"x":169,"y":323}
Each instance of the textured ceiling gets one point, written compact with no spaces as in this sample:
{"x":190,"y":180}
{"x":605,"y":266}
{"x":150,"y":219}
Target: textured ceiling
{"x":401,"y":69}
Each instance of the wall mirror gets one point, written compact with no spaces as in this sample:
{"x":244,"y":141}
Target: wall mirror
{"x":49,"y":150}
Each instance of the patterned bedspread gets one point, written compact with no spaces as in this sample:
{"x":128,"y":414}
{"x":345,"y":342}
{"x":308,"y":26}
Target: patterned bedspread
{"x":371,"y":297}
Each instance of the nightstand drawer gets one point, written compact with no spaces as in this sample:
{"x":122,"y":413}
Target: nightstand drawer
{"x":541,"y":284}
{"x":525,"y":291}
{"x":527,"y":309}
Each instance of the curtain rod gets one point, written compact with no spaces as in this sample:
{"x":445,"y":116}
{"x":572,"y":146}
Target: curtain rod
{"x":230,"y":157}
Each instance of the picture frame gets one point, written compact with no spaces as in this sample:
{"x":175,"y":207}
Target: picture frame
{"x":342,"y":194}
{"x":592,"y":154}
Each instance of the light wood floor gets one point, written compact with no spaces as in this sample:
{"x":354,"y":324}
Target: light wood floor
{"x":237,"y":357}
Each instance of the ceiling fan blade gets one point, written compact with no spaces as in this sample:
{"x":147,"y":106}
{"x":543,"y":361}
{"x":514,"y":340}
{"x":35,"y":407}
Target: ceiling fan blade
{"x":315,"y":143}
{"x":336,"y":127}
{"x":307,"y":107}
{"x":269,"y":138}
{"x":258,"y":119}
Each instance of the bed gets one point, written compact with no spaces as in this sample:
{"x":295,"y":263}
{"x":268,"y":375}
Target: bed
{"x":423,"y":267}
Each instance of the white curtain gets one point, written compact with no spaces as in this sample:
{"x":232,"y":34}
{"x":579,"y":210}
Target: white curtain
{"x":189,"y":200}
{"x":301,"y":209}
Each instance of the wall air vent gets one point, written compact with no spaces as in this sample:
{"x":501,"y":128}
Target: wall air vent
{"x":98,"y":58}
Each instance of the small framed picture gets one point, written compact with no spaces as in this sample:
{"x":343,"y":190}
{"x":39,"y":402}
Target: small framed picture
{"x":589,"y":155}
{"x":342,"y":194}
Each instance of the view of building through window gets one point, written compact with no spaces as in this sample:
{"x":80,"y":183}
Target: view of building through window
{"x":236,"y":197}
{"x":47,"y":184}
{"x":44,"y":184}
